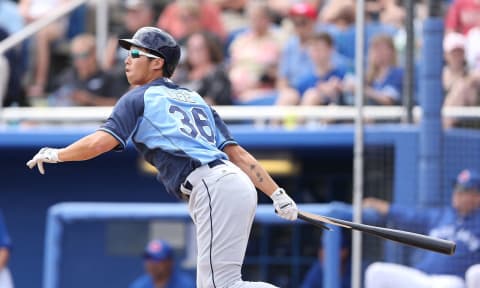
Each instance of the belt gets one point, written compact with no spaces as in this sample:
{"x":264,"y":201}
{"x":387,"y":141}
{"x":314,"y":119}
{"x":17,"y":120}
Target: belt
{"x":187,"y":186}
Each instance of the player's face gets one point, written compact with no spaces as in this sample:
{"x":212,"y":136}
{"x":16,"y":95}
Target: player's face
{"x":159,"y":269}
{"x":140,"y":68}
{"x":465,"y":201}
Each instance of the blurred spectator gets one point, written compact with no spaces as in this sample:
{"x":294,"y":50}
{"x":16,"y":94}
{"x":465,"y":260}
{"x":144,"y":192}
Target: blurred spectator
{"x":325,"y":86}
{"x":161,"y":270}
{"x":393,"y":13}
{"x":455,"y":70}
{"x":5,"y":245}
{"x":462,"y":15}
{"x":232,"y":14}
{"x":4,"y":77}
{"x":389,"y":12}
{"x":458,"y":222}
{"x":86,"y":84}
{"x":295,"y":63}
{"x":33,"y":10}
{"x":204,"y":71}
{"x":184,"y":17}
{"x":383,"y":78}
{"x":458,"y":87}
{"x":281,"y":8}
{"x":254,"y":56}
{"x":10,"y":18}
{"x":338,"y":19}
{"x":472,"y":48}
{"x":11,"y":74}
{"x":314,"y":276}
{"x":137,"y":14}
{"x":12,"y":71}
{"x":238,"y":5}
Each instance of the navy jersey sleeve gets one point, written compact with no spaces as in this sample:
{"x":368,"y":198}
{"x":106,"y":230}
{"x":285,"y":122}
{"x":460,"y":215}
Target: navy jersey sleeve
{"x":125,"y":115}
{"x":5,"y":241}
{"x":223,"y":135}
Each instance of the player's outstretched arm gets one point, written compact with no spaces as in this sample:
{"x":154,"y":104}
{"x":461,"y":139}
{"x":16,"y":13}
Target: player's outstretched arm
{"x":86,"y":148}
{"x":284,"y":205}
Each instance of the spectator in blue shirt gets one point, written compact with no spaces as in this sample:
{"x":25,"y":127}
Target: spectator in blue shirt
{"x":458,"y":223}
{"x":5,"y":245}
{"x":295,"y":63}
{"x":160,"y":269}
{"x":384,"y":78}
{"x":322,"y":87}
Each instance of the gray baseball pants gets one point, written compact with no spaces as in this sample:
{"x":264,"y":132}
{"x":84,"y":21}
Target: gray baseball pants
{"x":222,"y":205}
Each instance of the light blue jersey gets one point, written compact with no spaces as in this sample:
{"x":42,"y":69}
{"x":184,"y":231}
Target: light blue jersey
{"x":172,"y":127}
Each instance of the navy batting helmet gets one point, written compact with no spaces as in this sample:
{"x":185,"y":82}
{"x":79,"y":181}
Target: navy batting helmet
{"x":158,"y":42}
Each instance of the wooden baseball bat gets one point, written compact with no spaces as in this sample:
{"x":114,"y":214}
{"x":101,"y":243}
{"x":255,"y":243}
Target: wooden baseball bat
{"x":404,"y":237}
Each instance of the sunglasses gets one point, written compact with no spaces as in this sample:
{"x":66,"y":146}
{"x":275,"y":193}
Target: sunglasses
{"x":135,"y":53}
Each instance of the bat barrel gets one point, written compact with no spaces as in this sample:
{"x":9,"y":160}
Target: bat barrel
{"x":405,"y":237}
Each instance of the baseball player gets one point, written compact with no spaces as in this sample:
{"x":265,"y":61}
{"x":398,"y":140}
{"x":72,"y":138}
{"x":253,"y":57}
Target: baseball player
{"x":458,"y":223}
{"x":196,"y":157}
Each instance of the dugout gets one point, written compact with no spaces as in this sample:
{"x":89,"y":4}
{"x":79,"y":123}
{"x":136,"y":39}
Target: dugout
{"x":324,"y":156}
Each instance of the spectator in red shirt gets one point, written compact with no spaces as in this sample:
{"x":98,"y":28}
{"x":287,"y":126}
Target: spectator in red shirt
{"x":463,"y":15}
{"x":181,"y":16}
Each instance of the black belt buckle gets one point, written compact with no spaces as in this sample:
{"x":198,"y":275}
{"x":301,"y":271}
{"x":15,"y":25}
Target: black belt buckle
{"x":215,"y":162}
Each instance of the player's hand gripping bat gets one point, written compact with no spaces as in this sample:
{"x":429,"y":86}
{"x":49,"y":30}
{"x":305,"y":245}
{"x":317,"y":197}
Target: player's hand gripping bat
{"x":404,"y":237}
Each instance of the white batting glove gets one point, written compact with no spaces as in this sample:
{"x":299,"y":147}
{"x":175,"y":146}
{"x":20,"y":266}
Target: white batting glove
{"x":284,"y":205}
{"x":45,"y":155}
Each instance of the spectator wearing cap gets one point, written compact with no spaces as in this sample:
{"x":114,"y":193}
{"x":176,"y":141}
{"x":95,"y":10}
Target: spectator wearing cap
{"x":459,"y":84}
{"x":160,"y":269}
{"x":458,"y":222}
{"x":295,"y":63}
{"x":5,"y":246}
{"x":86,"y":84}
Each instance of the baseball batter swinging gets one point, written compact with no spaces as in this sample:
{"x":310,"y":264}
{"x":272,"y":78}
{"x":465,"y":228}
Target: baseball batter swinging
{"x":196,"y":157}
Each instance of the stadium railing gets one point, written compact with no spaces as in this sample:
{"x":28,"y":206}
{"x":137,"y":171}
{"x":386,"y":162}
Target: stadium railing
{"x":236,"y":113}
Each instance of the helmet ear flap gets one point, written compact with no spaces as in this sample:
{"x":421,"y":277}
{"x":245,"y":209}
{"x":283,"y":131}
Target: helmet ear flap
{"x":171,"y":61}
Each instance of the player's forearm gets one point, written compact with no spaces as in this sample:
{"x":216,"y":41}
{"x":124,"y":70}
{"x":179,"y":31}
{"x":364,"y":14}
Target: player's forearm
{"x":245,"y":161}
{"x":4,"y":255}
{"x":87,"y":148}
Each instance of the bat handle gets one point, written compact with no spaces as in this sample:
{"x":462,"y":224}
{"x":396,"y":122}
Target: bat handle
{"x":317,"y":224}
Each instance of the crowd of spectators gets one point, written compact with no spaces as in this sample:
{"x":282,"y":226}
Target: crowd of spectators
{"x":247,"y":51}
